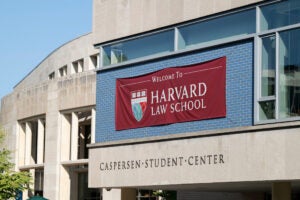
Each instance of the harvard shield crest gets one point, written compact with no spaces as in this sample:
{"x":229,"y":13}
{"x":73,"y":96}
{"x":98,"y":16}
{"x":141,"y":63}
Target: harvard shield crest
{"x":138,"y":103}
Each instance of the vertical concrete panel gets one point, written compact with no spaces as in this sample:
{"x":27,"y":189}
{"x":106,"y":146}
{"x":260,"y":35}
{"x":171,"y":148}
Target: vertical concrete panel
{"x":40,"y":143}
{"x":52,"y":146}
{"x":21,"y":145}
{"x":65,"y":182}
{"x":65,"y":137}
{"x":93,"y":125}
{"x":28,"y":133}
{"x":74,"y":136}
{"x":32,"y":172}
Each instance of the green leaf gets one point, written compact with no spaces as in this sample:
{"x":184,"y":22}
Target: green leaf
{"x":11,"y":182}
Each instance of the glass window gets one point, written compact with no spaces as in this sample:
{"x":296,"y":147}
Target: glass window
{"x":289,"y":74}
{"x":63,"y":71}
{"x":84,"y":134}
{"x":51,"y":76}
{"x":280,"y":14}
{"x":39,"y":182}
{"x":84,"y":192}
{"x":268,"y":63}
{"x":267,"y":110}
{"x":34,"y":141}
{"x":241,"y":23}
{"x":136,"y":48}
{"x":93,"y":64}
{"x":283,"y":102}
{"x":77,"y":66}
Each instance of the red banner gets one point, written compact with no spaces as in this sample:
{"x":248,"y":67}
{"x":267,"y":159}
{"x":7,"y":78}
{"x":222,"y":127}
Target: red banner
{"x":171,"y":95}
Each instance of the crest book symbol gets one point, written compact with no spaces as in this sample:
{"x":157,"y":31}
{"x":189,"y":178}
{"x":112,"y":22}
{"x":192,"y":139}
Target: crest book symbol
{"x":138,"y":103}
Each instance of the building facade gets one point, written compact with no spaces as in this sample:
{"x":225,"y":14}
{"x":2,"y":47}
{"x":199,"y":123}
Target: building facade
{"x":196,"y":99}
{"x":167,"y":120}
{"x":50,"y":117}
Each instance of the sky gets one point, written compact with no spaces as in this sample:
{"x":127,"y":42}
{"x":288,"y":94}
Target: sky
{"x":31,"y":29}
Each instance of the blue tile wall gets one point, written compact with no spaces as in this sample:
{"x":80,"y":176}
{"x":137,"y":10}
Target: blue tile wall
{"x":239,"y":93}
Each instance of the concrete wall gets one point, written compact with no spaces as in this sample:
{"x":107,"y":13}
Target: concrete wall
{"x":38,"y":97}
{"x":29,"y":97}
{"x":76,"y":49}
{"x":48,"y":100}
{"x":118,"y":18}
{"x":8,"y":113}
{"x":64,"y":94}
{"x":250,"y":159}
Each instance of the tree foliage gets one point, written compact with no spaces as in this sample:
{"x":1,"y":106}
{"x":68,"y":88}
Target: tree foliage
{"x":11,"y":182}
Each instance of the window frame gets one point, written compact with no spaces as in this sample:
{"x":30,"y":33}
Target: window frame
{"x":138,"y":59}
{"x":176,"y":33}
{"x":257,"y":74}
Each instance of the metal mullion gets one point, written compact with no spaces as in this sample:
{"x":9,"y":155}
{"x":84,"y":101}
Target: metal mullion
{"x":101,"y":58}
{"x":176,"y":39}
{"x":269,"y":98}
{"x":258,"y":19}
{"x":277,"y":76}
{"x":279,"y":29}
{"x":257,"y":74}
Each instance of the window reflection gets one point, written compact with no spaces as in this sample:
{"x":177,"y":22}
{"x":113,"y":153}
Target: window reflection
{"x":280,"y":14}
{"x":268,"y":66}
{"x":222,"y":27}
{"x":289,"y":69}
{"x":267,"y":110}
{"x":136,"y":48}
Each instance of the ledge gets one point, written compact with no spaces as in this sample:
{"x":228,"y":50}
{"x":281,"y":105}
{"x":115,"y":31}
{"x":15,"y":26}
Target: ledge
{"x":34,"y":166}
{"x":205,"y":133}
{"x":75,"y":162}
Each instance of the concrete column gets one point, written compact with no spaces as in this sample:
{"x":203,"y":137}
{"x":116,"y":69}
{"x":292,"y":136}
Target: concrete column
{"x":93,"y":125}
{"x":65,"y":182}
{"x":80,"y":66}
{"x":40,"y":142}
{"x":26,"y":193}
{"x":65,"y":137}
{"x":22,"y":144}
{"x":281,"y":191}
{"x":98,"y":61}
{"x":52,"y":143}
{"x":74,"y":136}
{"x":28,"y":135}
